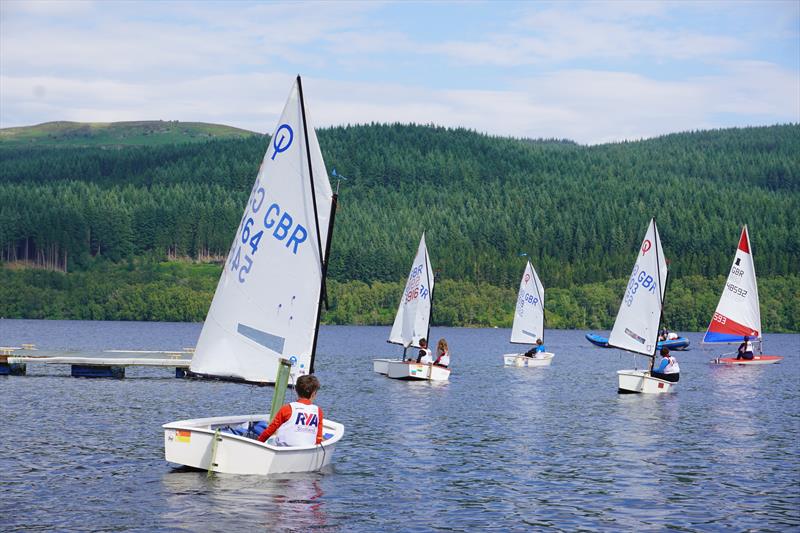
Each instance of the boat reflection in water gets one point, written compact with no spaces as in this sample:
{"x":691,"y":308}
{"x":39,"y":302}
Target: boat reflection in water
{"x":291,"y":502}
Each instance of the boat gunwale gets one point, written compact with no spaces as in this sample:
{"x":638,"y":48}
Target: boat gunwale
{"x":192,"y":425}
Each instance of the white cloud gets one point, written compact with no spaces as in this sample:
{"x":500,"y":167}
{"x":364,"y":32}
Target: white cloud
{"x":234,"y":63}
{"x":585,"y":105}
{"x":557,"y":35}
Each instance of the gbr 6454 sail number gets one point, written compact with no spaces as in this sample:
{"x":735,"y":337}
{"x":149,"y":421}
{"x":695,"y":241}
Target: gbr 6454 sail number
{"x":282,"y":227}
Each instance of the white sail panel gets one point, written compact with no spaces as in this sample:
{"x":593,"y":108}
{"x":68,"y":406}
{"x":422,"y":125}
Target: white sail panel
{"x":266,"y":304}
{"x":529,"y":316}
{"x":738,"y":313}
{"x":414,"y":311}
{"x":636,"y":326}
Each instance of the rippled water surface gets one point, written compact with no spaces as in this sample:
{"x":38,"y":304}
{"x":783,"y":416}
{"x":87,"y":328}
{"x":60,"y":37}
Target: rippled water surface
{"x":505,"y":448}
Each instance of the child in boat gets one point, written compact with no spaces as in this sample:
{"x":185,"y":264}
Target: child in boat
{"x":298,"y":423}
{"x":442,"y":354}
{"x":538,"y":347}
{"x":424,"y":356}
{"x":745,"y":350}
{"x":668,"y":370}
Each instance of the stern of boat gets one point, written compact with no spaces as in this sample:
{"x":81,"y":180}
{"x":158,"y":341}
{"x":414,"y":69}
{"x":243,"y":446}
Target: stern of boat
{"x":638,"y":381}
{"x":417,"y":371}
{"x":381,"y":366}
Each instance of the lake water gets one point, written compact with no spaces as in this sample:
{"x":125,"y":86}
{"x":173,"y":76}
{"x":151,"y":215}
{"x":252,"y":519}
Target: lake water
{"x":503,"y":448}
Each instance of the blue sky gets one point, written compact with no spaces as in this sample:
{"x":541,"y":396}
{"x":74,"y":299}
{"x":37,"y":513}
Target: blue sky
{"x":589,"y":71}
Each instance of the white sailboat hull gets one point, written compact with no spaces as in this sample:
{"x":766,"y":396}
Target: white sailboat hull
{"x":417,"y":371}
{"x":521,"y":360}
{"x":639,"y":381}
{"x":381,"y":366}
{"x":191,"y":443}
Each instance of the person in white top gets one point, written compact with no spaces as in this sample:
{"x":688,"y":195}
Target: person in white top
{"x":425,"y":357}
{"x":298,"y":423}
{"x":442,"y":354}
{"x":745,"y":350}
{"x":668,"y":370}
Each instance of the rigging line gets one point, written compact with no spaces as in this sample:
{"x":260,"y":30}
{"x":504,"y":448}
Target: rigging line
{"x":660,"y":295}
{"x":541,"y":299}
{"x":428,"y":278}
{"x":322,"y":259}
{"x":310,"y":171}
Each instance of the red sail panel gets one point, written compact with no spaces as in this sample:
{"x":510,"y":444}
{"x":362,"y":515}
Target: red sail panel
{"x":744,"y":244}
{"x":724,"y":325}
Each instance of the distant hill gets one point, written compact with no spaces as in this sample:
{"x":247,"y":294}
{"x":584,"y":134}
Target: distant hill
{"x":117,"y":134}
{"x":579,"y":212}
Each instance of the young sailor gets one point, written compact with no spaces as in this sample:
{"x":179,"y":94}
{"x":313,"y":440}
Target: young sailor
{"x":745,"y":350}
{"x":425,"y":357}
{"x":442,"y":354}
{"x":537,"y":348}
{"x":668,"y":370}
{"x":298,"y":423}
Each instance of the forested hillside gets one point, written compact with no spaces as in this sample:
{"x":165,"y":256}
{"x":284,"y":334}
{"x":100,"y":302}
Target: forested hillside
{"x":580,"y":212}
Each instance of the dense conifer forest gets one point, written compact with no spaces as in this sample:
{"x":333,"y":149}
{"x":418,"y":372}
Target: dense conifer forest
{"x":114,"y":217}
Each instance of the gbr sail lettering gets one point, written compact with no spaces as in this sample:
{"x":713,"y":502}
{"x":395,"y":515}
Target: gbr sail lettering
{"x":414,"y":288}
{"x":273,"y":222}
{"x":525,"y":297}
{"x":735,"y":289}
{"x":639,"y":278}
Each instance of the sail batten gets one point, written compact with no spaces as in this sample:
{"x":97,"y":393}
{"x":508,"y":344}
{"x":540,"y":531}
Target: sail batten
{"x":267,"y":302}
{"x":528,"y":324}
{"x":738,"y":312}
{"x":636,"y":326}
{"x":412,"y":321}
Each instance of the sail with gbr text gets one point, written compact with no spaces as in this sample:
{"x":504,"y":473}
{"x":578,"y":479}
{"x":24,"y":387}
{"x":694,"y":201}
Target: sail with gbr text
{"x":738,"y":313}
{"x":636,"y":326}
{"x":414,"y":312}
{"x":267,"y":301}
{"x":529,"y":316}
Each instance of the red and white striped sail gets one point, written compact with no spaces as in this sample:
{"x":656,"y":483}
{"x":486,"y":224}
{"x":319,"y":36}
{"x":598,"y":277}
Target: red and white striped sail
{"x":738,"y":314}
{"x":529,"y":317}
{"x":636,"y":326}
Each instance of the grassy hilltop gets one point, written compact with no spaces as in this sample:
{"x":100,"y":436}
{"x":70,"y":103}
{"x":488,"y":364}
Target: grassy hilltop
{"x":580,"y":212}
{"x":116,"y":134}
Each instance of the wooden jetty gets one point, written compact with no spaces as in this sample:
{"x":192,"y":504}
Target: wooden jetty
{"x":91,"y":367}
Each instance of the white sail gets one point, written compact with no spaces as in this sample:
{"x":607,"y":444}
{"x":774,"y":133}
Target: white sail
{"x":738,"y":313}
{"x":414,"y":311}
{"x":267,"y":300}
{"x":529,"y":317}
{"x":636,"y":326}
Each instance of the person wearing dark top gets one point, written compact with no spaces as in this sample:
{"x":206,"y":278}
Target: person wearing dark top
{"x":745,"y":350}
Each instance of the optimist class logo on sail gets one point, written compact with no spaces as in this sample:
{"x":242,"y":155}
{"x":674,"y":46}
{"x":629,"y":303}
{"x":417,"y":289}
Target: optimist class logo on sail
{"x":276,"y":221}
{"x":526,"y":297}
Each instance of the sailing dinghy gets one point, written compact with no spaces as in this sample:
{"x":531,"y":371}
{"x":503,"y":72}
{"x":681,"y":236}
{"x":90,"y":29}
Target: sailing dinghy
{"x":738,"y":312}
{"x":266,"y":307}
{"x":528,"y":324}
{"x":636,"y":327}
{"x":412,"y":323}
